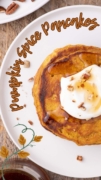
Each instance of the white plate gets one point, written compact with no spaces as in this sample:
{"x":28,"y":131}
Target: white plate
{"x":24,"y":9}
{"x":53,"y":153}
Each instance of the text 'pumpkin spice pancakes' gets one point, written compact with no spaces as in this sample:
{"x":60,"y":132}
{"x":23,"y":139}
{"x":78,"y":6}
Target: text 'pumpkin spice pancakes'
{"x":67,"y":94}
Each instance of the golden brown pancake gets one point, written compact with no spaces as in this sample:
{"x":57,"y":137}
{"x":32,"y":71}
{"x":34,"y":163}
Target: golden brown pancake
{"x":64,"y":62}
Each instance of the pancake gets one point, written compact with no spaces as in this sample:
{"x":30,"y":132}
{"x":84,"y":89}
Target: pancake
{"x":64,"y":62}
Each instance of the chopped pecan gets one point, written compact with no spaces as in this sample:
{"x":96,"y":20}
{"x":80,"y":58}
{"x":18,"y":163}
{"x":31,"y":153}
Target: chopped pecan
{"x":70,"y":88}
{"x":31,"y":79}
{"x":2,"y":9}
{"x":72,"y":78}
{"x":12,"y":8}
{"x":79,"y":158}
{"x":82,"y":106}
{"x":86,"y":76}
{"x":26,"y":64}
{"x":30,"y":122}
{"x":73,"y":100}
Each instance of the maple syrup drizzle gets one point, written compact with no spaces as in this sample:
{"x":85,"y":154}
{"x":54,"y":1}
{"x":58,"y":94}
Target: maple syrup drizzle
{"x":89,"y":58}
{"x":69,"y":67}
{"x":89,"y":89}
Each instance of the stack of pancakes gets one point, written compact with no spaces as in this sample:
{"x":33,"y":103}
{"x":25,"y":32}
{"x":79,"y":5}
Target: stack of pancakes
{"x":64,"y":62}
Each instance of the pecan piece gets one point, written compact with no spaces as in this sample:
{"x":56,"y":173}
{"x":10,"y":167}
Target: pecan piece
{"x":12,"y":8}
{"x":72,"y":78}
{"x":30,"y":79}
{"x":86,"y":76}
{"x":81,"y":106}
{"x":26,"y":64}
{"x":30,"y":122}
{"x":73,"y":100}
{"x":70,"y":88}
{"x":24,"y":105}
{"x":79,"y":158}
{"x":2,"y":9}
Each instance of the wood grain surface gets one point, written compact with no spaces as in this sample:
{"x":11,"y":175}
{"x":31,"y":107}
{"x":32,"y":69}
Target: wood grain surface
{"x":8,"y":32}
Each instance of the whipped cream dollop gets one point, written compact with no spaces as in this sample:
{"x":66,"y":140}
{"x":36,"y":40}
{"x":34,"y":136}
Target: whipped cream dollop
{"x":80,"y":94}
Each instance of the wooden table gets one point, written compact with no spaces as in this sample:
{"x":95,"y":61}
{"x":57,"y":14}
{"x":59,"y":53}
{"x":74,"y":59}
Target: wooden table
{"x":8,"y":32}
